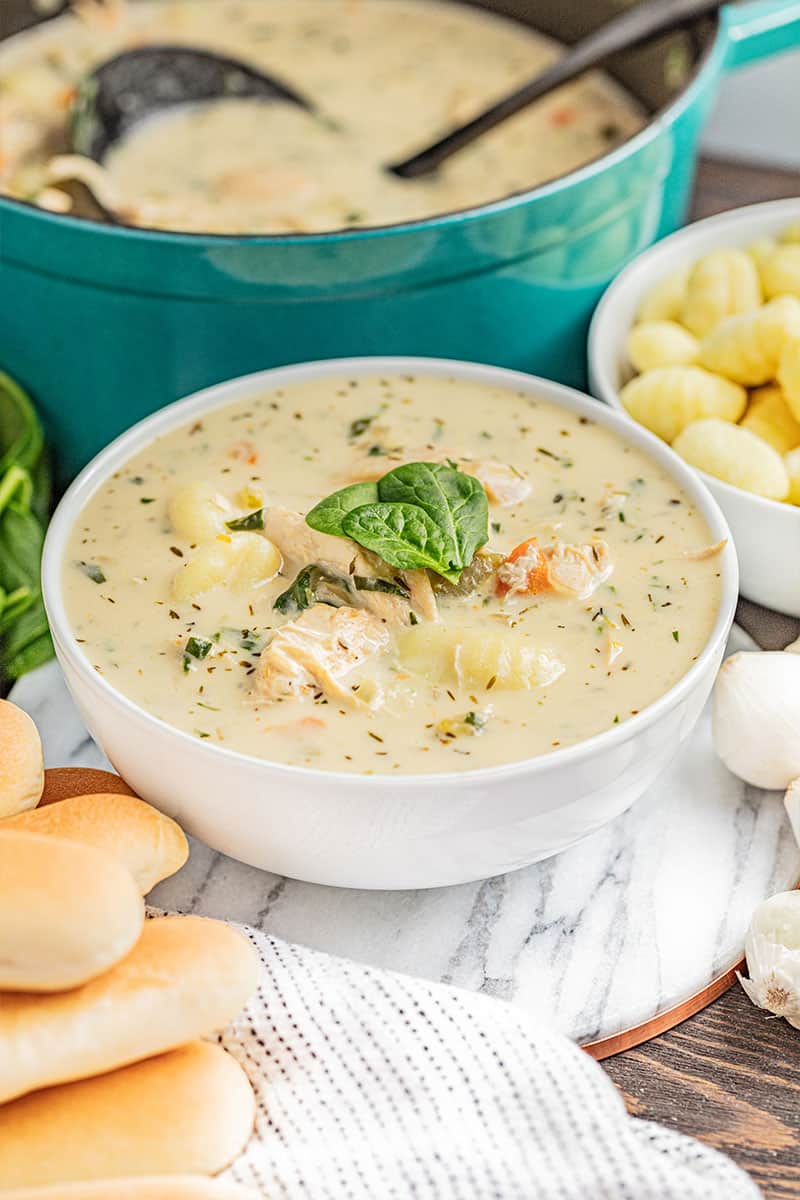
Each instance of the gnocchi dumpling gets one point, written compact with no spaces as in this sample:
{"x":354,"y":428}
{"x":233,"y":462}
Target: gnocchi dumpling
{"x":747,"y":348}
{"x":239,"y":560}
{"x":665,"y":300}
{"x":667,"y":399}
{"x":661,"y":344}
{"x":735,"y":455}
{"x":760,"y":249}
{"x":789,"y":375}
{"x":198,"y":512}
{"x":780,"y":271}
{"x":769,"y":417}
{"x":792,"y":464}
{"x":791,"y":233}
{"x":476,"y":658}
{"x":720,"y":284}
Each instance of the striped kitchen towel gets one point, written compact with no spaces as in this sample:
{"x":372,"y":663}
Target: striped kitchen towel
{"x":375,"y":1086}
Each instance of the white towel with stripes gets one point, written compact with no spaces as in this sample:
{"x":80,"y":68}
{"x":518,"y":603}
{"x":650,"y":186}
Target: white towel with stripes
{"x":376,"y":1086}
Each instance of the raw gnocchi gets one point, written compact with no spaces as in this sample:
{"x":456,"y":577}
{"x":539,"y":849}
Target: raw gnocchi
{"x":476,"y":658}
{"x":780,"y":271}
{"x":747,"y":348}
{"x":706,"y":332}
{"x":240,"y":560}
{"x":661,"y":344}
{"x":665,"y":301}
{"x":769,"y":417}
{"x":792,"y":464}
{"x":667,"y":399}
{"x":789,"y":375}
{"x":735,"y":455}
{"x":720,"y":284}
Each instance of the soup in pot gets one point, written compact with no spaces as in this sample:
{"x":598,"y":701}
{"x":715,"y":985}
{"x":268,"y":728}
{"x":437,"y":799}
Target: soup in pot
{"x":391,"y":575}
{"x":384,"y":77}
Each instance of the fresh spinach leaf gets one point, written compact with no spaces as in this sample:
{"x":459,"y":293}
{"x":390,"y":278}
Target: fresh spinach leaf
{"x":21,"y":539}
{"x":328,"y":515}
{"x":455,"y":501}
{"x":24,"y":507}
{"x":20,"y":432}
{"x":403,"y":535}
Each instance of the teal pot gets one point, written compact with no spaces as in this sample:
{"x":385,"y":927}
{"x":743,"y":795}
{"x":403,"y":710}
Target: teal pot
{"x":106,"y":324}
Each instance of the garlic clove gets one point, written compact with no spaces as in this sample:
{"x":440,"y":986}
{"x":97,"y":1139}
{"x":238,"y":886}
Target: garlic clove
{"x":772,"y":950}
{"x":756,"y":717}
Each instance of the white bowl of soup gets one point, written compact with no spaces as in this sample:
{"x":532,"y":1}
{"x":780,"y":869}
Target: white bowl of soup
{"x":766,"y":531}
{"x":389,"y":622}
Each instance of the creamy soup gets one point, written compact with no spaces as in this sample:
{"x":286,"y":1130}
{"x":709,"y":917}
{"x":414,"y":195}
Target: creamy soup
{"x":203,"y":580}
{"x":385,"y":78}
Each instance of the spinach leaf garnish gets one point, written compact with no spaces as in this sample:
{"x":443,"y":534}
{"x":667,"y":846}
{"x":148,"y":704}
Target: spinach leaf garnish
{"x":420,"y":515}
{"x":456,"y":502}
{"x":253,"y":520}
{"x":405,"y":536}
{"x":327,"y":516}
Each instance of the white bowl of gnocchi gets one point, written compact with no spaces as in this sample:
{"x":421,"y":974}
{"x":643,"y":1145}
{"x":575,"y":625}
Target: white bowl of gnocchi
{"x":389,"y":623}
{"x":699,"y":341}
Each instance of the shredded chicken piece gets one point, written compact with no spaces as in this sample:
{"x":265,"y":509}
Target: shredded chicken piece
{"x":317,"y":651}
{"x":571,"y":570}
{"x":612,"y":502}
{"x":300,"y":544}
{"x":503,"y":484}
{"x":705,"y":552}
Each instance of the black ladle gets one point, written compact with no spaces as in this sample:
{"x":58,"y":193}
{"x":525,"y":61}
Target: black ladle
{"x":630,"y":28}
{"x":138,"y":83}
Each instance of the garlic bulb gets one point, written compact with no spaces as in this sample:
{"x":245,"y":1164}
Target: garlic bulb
{"x":773,"y":957}
{"x":756,"y":716}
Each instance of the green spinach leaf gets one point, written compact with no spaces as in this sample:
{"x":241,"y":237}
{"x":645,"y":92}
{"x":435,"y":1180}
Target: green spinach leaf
{"x":456,"y":502}
{"x":403,"y":535}
{"x":24,"y":506}
{"x":328,"y":515}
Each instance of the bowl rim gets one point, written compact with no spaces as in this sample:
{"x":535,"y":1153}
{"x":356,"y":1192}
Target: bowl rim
{"x":218,"y":395}
{"x":713,"y":48}
{"x":636,"y":277}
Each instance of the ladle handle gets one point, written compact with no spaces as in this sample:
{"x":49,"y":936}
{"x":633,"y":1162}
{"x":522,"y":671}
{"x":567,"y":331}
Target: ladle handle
{"x":631,"y":27}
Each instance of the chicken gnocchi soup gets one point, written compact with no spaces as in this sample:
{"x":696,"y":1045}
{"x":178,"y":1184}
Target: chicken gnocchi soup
{"x":384,"y":78}
{"x":395,"y":574}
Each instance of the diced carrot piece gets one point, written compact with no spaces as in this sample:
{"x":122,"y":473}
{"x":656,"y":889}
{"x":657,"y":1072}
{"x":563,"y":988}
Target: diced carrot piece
{"x":537,"y":578}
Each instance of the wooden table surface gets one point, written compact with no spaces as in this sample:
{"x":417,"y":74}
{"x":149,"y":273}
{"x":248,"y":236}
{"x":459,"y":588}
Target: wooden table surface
{"x":730,"y":1075}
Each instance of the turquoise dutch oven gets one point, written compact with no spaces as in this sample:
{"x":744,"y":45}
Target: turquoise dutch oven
{"x":104,"y":325}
